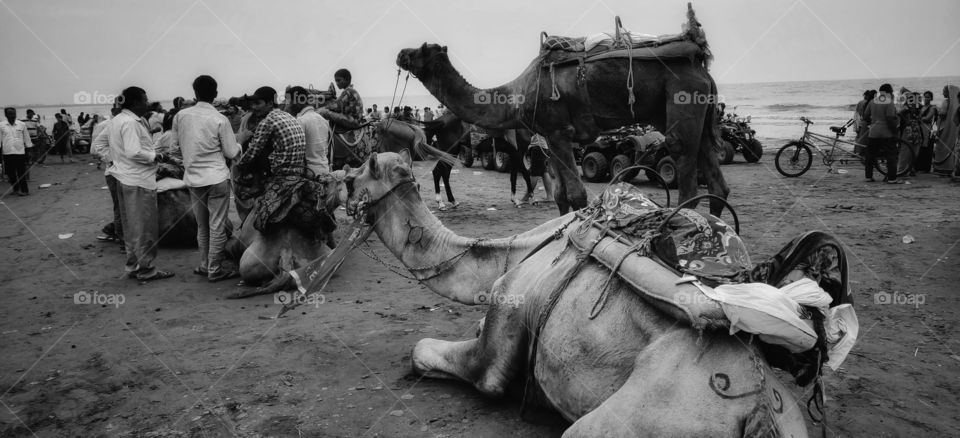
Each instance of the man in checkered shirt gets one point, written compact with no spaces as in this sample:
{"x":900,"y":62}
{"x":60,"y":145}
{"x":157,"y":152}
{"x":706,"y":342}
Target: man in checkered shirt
{"x":279,"y":139}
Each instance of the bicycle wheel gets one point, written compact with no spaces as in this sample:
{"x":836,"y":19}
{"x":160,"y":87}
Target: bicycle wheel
{"x":793,"y":159}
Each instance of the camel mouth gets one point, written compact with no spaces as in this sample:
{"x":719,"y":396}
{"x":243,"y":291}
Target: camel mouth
{"x":403,"y":59}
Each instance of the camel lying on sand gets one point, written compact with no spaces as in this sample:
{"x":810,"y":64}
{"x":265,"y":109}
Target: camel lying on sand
{"x":628,"y":370}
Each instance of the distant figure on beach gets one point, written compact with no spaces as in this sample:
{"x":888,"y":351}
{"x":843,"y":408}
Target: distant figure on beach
{"x":441,"y":110}
{"x":396,"y":111}
{"x":351,"y":105}
{"x":375,"y":115}
{"x":66,"y":117}
{"x":37,"y":131}
{"x":15,"y":144}
{"x":929,"y":115}
{"x":81,"y":119}
{"x":100,"y":148}
{"x":427,"y":114}
{"x":881,"y":117}
{"x":860,"y":126}
{"x":62,"y":136}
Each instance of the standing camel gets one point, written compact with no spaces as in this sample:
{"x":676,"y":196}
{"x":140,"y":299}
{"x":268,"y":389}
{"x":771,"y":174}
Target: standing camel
{"x":574,"y":98}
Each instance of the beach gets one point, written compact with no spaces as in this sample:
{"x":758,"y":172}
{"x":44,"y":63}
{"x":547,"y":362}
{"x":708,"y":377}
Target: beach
{"x":176,"y":358}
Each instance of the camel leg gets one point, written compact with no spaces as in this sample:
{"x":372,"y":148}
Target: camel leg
{"x":710,"y":167}
{"x":488,"y":362}
{"x":685,"y":127}
{"x":572,"y":193}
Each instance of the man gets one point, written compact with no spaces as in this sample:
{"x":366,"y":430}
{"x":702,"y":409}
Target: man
{"x":315,"y":128}
{"x":274,"y":160}
{"x":375,"y":116}
{"x":351,"y":105}
{"x":14,"y":144}
{"x":100,"y":147}
{"x":427,"y":114}
{"x":881,"y":117}
{"x":135,"y":168}
{"x":206,"y":140}
{"x":62,"y":138}
{"x":32,"y":121}
{"x":278,"y":134}
{"x":154,"y":118}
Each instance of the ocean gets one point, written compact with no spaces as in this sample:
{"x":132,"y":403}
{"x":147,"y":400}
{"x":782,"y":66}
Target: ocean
{"x":774,"y":107}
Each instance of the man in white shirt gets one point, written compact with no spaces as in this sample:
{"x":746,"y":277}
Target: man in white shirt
{"x":135,"y":168}
{"x":14,"y":142}
{"x":206,"y":140}
{"x":317,"y":129}
{"x":100,"y":147}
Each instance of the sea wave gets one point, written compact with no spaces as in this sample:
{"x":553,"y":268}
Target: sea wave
{"x":807,"y":107}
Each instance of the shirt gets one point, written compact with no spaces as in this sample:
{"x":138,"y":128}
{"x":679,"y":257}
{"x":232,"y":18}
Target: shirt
{"x":351,"y":104}
{"x":131,"y":149}
{"x":281,"y":136}
{"x":155,"y":121}
{"x":206,"y":140}
{"x":100,"y":145}
{"x":14,"y":138}
{"x":317,"y":131}
{"x":881,"y":116}
{"x":33,"y":126}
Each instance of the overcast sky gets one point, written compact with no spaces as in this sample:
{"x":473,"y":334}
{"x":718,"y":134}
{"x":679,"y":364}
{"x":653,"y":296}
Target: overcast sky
{"x":53,"y":49}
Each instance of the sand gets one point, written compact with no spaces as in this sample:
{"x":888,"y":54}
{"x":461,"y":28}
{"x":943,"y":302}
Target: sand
{"x":176,"y":358}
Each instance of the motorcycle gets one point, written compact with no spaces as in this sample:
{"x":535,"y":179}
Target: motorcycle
{"x":737,"y":136}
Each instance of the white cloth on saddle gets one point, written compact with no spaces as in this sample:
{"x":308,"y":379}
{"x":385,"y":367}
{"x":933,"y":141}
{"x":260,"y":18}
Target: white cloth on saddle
{"x":842,"y":329}
{"x":769,"y":312}
{"x":170,"y":184}
{"x":607,"y":39}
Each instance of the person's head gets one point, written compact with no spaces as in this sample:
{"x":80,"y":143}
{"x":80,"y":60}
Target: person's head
{"x":407,"y":110}
{"x":870,"y":94}
{"x":63,"y":111}
{"x":178,"y":101}
{"x":297,"y":99}
{"x":204,"y":87}
{"x":866,"y":95}
{"x":927,"y":97}
{"x":722,"y":106}
{"x":374,"y":107}
{"x":10,"y":112}
{"x":886,"y":88}
{"x":263,"y":100}
{"x":135,"y":100}
{"x":30,"y":113}
{"x":59,"y":117}
{"x":396,"y":110}
{"x":369,"y":110}
{"x":343,"y":78}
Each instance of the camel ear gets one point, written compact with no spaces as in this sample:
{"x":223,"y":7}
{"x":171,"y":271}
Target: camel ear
{"x":373,"y":167}
{"x":405,"y":156}
{"x":443,"y":49}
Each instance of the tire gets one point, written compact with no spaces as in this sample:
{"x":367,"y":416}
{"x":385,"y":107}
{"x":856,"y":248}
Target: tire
{"x":752,"y":150}
{"x":905,"y":158}
{"x":725,"y":152}
{"x":793,"y":159}
{"x":594,"y":167}
{"x":488,"y":160}
{"x":466,"y":156}
{"x":667,"y":168}
{"x":502,"y":161}
{"x":621,"y":162}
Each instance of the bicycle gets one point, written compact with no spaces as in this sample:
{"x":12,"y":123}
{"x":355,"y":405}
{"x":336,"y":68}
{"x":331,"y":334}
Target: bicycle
{"x":796,"y":157}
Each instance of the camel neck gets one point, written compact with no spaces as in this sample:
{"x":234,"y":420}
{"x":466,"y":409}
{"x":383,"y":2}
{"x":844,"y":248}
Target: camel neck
{"x":492,"y":108}
{"x":460,"y":268}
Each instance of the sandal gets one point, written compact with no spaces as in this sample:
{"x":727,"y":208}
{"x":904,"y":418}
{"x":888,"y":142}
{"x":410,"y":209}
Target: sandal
{"x":159,"y":275}
{"x":222,"y":275}
{"x":200,"y":271}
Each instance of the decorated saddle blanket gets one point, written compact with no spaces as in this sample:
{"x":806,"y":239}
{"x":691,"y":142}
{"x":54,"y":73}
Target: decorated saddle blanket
{"x":300,"y":200}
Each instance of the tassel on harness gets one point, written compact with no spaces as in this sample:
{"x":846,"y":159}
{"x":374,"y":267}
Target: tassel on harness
{"x":555,"y":92}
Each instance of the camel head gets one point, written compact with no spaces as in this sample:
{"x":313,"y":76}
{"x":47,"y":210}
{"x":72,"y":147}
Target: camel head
{"x":417,"y":60}
{"x":380,"y":175}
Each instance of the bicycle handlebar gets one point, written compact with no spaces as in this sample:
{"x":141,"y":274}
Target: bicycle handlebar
{"x":806,"y":120}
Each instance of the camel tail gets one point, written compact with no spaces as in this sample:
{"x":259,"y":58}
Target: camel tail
{"x":424,"y":150}
{"x":695,"y":33}
{"x":710,"y":124}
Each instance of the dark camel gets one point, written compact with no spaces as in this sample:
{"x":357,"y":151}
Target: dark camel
{"x":582,"y":111}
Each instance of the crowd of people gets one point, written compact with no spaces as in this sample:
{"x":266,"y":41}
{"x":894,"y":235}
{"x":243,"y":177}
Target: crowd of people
{"x":278,"y":147}
{"x":884,"y":122}
{"x":407,"y":113}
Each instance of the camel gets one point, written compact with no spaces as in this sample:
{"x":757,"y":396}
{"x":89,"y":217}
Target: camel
{"x":631,"y":371}
{"x":567,"y":102}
